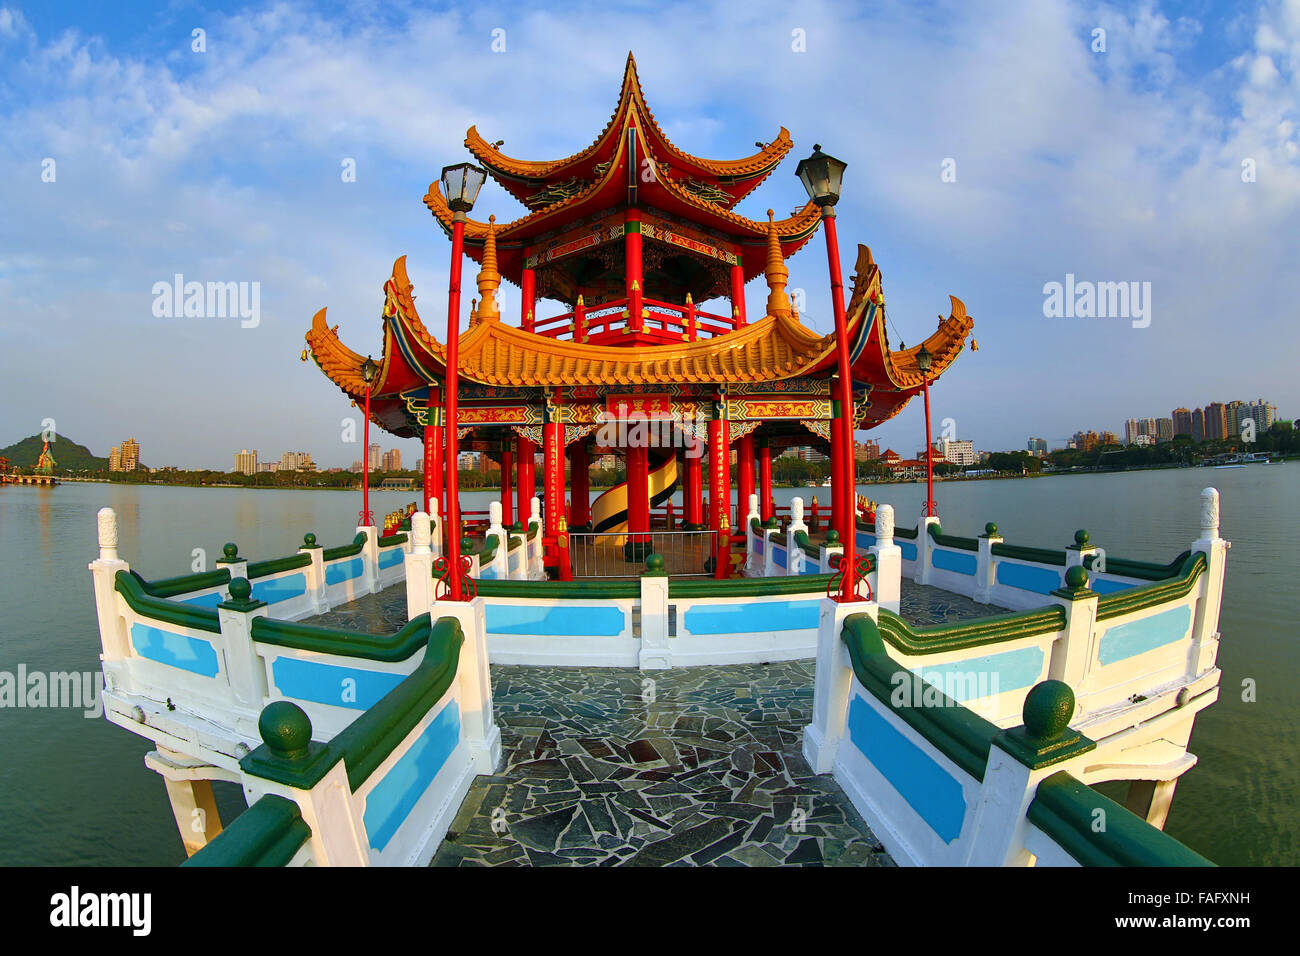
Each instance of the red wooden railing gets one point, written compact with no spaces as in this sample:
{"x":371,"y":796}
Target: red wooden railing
{"x":664,"y":321}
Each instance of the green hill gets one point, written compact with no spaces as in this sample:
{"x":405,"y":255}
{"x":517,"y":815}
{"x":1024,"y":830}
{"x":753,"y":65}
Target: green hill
{"x":68,"y":455}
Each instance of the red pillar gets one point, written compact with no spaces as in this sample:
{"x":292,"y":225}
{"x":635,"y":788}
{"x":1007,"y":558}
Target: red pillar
{"x":580,"y":485}
{"x":433,"y":476}
{"x":507,"y":490}
{"x":765,"y":502}
{"x":837,"y":472}
{"x":694,"y":490}
{"x":635,"y":283}
{"x":738,"y":295}
{"x":744,"y":477}
{"x":553,"y":484}
{"x":720,"y":494}
{"x":638,"y":501}
{"x":524,"y":452}
{"x":528,"y":303}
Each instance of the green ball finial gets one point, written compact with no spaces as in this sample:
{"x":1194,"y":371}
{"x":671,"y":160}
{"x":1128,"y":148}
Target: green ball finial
{"x":309,"y":540}
{"x":466,"y":545}
{"x":230,"y":551}
{"x":240,"y":589}
{"x":1076,"y":578}
{"x":285,"y":728}
{"x":655,"y":562}
{"x":1048,"y":709}
{"x":517,"y":526}
{"x":991,"y":529}
{"x":1081,"y":538}
{"x":832,"y":536}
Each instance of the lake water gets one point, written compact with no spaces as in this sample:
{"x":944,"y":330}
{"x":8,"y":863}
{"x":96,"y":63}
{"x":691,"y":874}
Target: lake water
{"x":75,"y":791}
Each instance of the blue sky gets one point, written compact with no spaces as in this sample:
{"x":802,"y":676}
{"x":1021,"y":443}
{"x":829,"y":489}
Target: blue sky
{"x":224,"y":165}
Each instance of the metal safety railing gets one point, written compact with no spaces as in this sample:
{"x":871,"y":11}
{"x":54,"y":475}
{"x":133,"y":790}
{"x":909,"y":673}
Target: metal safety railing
{"x":619,"y":554}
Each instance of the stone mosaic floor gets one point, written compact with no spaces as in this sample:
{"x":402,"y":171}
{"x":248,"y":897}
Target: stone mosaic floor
{"x":693,"y":766}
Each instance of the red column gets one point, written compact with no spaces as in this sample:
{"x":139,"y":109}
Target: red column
{"x":738,"y":295}
{"x":451,"y":520}
{"x":765,"y":482}
{"x":635,"y":283}
{"x":553,"y":483}
{"x":433,"y":476}
{"x":524,"y":452}
{"x":580,"y":485}
{"x":720,"y":494}
{"x":694,"y":490}
{"x":744,"y":478}
{"x":638,"y":501}
{"x":837,"y":472}
{"x":528,"y":303}
{"x":507,"y":490}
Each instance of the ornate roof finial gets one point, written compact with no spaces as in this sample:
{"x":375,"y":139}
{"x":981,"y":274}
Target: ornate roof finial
{"x":778,"y":274}
{"x":489,"y":279}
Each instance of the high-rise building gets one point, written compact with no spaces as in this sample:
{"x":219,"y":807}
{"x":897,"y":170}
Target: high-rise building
{"x":391,"y":460}
{"x":1216,"y":421}
{"x":1131,"y":431}
{"x":1262,"y":414}
{"x":246,"y":461}
{"x":1164,"y":429}
{"x":1198,"y":424}
{"x":296,"y":461}
{"x":868,"y":450}
{"x":1037,"y":447}
{"x":1182,"y":419}
{"x":374,"y":458}
{"x":952,"y":451}
{"x":808,"y":453}
{"x":125,"y":457}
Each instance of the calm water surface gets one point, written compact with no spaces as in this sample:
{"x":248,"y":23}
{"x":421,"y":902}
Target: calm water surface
{"x":75,"y":790}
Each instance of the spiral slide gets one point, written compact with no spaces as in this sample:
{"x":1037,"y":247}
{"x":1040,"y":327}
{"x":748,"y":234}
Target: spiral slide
{"x":609,"y":511}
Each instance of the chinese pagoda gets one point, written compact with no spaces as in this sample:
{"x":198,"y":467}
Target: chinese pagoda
{"x":627,"y":236}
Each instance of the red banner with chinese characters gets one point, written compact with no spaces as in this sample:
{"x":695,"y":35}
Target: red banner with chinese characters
{"x":647,"y":406}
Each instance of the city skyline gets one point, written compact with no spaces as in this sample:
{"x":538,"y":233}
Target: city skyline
{"x":158,"y":147}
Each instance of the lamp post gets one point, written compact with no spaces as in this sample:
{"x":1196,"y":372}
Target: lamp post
{"x":923,"y":363}
{"x":461,"y":184}
{"x":822,"y":176}
{"x":368,"y":371}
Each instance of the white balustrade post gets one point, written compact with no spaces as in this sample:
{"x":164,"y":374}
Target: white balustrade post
{"x":370,"y":552}
{"x":501,"y":559}
{"x":794,"y":555}
{"x":1205,"y":628}
{"x":986,"y":564}
{"x":1072,"y":652}
{"x":655,"y":653}
{"x":112,"y":627}
{"x":536,"y":552}
{"x":474,"y":679}
{"x":1019,"y":759}
{"x":315,"y":573}
{"x":755,"y":561}
{"x":925,"y":549}
{"x":435,"y":529}
{"x":419,"y":566}
{"x":245,"y":669}
{"x":888,"y":583}
{"x":832,"y":683}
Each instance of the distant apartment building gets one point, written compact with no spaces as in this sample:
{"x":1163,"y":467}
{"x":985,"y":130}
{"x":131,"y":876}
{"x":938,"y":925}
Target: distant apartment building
{"x":1263,"y":414}
{"x":1182,"y":419}
{"x":374,"y":457}
{"x":246,"y":461}
{"x":296,"y":461}
{"x":125,"y":457}
{"x":1144,"y":440}
{"x":269,"y":466}
{"x":1037,"y":447}
{"x":953,"y":451}
{"x":1198,"y":424}
{"x":1164,"y":430}
{"x":868,"y":450}
{"x":391,"y":460}
{"x":808,"y":453}
{"x":1216,"y":421}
